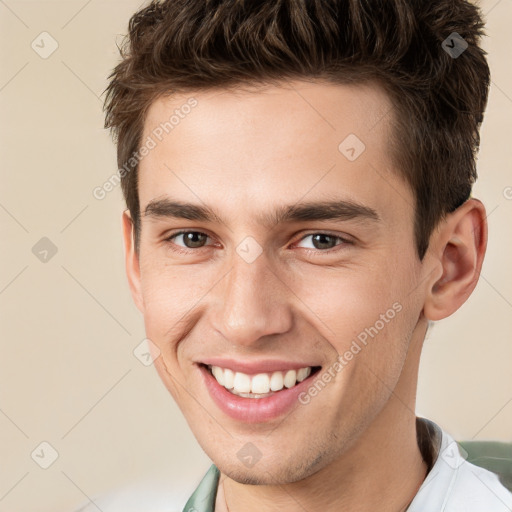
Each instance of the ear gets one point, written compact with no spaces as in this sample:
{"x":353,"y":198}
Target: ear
{"x":132,"y":260}
{"x":458,"y":248}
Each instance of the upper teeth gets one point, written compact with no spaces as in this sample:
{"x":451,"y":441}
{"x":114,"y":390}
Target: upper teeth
{"x":261,"y":383}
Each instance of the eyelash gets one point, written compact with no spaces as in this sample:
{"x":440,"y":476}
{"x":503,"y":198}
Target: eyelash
{"x":337,"y":247}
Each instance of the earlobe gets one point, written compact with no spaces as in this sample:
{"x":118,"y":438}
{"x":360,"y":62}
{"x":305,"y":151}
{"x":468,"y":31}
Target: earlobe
{"x":132,"y":260}
{"x":462,"y":241}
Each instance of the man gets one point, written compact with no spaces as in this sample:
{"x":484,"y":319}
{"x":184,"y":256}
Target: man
{"x":298,"y":178}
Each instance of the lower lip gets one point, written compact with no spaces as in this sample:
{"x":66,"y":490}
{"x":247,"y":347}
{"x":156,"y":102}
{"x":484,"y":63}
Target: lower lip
{"x":253,"y":410}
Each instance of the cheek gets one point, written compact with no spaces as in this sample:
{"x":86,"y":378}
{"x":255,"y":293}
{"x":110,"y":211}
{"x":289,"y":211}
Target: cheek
{"x":176,"y":298}
{"x":345,"y":302}
{"x":168,"y":297}
{"x":367,"y":315}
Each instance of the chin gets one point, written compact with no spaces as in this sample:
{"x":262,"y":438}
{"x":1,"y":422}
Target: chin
{"x":268,"y":473}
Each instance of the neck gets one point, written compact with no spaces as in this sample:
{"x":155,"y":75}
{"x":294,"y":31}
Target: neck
{"x":383,"y":470}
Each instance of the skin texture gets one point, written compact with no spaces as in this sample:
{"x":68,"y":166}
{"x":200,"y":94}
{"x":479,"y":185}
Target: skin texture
{"x":245,"y":153}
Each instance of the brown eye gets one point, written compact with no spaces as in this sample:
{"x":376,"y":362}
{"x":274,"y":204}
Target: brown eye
{"x":323,"y":241}
{"x":191,"y":239}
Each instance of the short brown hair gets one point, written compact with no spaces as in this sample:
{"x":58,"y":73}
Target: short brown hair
{"x":439,"y":97}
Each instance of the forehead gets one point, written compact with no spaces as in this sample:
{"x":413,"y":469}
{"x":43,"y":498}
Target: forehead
{"x":290,"y":108}
{"x":268,"y":143}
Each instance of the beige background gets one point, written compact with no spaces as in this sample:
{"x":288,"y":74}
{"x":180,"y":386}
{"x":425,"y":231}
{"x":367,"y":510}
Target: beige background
{"x":68,"y":375}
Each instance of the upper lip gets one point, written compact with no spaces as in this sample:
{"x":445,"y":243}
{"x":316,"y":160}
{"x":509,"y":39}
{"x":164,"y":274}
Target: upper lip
{"x":254,"y":367}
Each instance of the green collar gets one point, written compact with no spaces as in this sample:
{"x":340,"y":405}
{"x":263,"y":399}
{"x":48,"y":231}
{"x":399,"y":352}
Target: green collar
{"x":203,"y":498}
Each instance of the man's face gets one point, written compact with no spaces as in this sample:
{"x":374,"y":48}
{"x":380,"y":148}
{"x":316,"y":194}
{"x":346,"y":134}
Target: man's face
{"x":244,"y":290}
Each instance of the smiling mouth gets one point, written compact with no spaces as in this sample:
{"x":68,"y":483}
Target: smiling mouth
{"x":259,"y":385}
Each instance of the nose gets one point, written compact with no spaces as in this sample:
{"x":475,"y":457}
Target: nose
{"x":252,"y":302}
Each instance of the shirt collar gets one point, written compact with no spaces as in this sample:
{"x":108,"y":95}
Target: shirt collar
{"x":203,"y":498}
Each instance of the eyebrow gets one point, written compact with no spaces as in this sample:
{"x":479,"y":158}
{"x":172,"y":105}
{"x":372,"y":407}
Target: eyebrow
{"x":300,"y":212}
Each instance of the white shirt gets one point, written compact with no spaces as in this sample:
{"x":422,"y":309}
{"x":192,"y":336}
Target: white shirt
{"x":455,"y":485}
